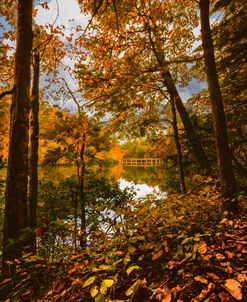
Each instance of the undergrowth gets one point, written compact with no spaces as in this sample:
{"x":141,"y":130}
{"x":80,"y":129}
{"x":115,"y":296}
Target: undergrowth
{"x":137,"y":258}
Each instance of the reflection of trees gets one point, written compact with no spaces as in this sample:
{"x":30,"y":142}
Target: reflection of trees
{"x":152,"y":176}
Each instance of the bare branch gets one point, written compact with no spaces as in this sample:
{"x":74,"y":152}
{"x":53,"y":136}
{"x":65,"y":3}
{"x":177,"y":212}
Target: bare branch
{"x":8,"y":92}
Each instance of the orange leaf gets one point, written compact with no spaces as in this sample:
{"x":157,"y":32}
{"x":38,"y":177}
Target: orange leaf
{"x":229,"y":254}
{"x":234,"y":288}
{"x":200,"y":279}
{"x":196,"y":22}
{"x":6,"y":280}
{"x":202,"y":248}
{"x":39,"y":232}
{"x":157,"y":255}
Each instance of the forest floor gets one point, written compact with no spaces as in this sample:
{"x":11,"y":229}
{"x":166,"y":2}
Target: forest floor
{"x":180,"y":249}
{"x":218,"y":274}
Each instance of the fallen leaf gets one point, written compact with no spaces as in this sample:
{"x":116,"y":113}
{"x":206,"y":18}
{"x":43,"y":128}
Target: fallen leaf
{"x":229,"y":254}
{"x":202,"y":248}
{"x":6,"y":280}
{"x":224,"y":297}
{"x":171,"y":264}
{"x":162,"y":294}
{"x":220,"y":256}
{"x":175,"y":291}
{"x":224,"y":220}
{"x":213,"y":276}
{"x":157,"y":255}
{"x":234,"y":288}
{"x":201,"y":279}
{"x":212,"y":298}
{"x":165,"y":244}
{"x":205,"y":292}
{"x":242,"y":277}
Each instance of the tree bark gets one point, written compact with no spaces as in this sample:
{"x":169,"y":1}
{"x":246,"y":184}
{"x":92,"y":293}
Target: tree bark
{"x":83,"y":236}
{"x":228,"y":183}
{"x":172,"y":90}
{"x":33,"y":153}
{"x":15,"y":216}
{"x":190,"y":131}
{"x":178,"y":146}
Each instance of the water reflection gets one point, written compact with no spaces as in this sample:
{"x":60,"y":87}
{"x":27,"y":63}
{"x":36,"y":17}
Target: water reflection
{"x":144,"y":180}
{"x":142,"y":190}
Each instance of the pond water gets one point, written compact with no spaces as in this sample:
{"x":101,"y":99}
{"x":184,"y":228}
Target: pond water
{"x":144,"y":180}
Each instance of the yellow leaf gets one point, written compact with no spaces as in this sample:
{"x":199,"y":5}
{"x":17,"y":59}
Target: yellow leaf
{"x":131,"y":268}
{"x":50,"y":293}
{"x":134,"y":287}
{"x":104,"y":267}
{"x":105,"y":284}
{"x":94,"y":292}
{"x":63,"y":292}
{"x":89,"y":281}
{"x":234,"y":288}
{"x":108,"y":282}
{"x":99,"y":298}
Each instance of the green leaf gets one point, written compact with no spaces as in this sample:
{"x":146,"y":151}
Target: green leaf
{"x":131,"y":268}
{"x":187,"y":240}
{"x":94,"y":291}
{"x":104,"y":267}
{"x":89,"y":281}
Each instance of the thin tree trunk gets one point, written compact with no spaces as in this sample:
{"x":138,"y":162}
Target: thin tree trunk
{"x":172,"y":90}
{"x":75,"y":220}
{"x":228,"y":183}
{"x":15,"y":216}
{"x":190,"y":131}
{"x":178,"y":147}
{"x":33,"y":155}
{"x":83,"y":237}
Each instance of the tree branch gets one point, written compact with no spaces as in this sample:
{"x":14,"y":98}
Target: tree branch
{"x":11,"y":91}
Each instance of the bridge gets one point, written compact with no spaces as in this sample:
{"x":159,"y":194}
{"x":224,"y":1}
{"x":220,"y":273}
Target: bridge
{"x":142,"y":162}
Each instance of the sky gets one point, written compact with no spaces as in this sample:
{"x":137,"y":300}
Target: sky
{"x":67,"y":12}
{"x":69,"y":9}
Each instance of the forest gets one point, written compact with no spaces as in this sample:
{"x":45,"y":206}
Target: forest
{"x":123,"y":155}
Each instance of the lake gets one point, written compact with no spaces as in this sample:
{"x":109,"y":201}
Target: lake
{"x":144,"y":180}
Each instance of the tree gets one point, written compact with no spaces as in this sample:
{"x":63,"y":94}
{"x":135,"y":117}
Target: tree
{"x":228,"y":183}
{"x":133,"y":57}
{"x":33,"y":152}
{"x":231,"y":58}
{"x":15,"y":219}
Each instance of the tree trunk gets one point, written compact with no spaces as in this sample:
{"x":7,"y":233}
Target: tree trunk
{"x":190,"y":131}
{"x":15,"y":216}
{"x":83,"y":237}
{"x":33,"y":155}
{"x":228,"y":183}
{"x":178,"y":147}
